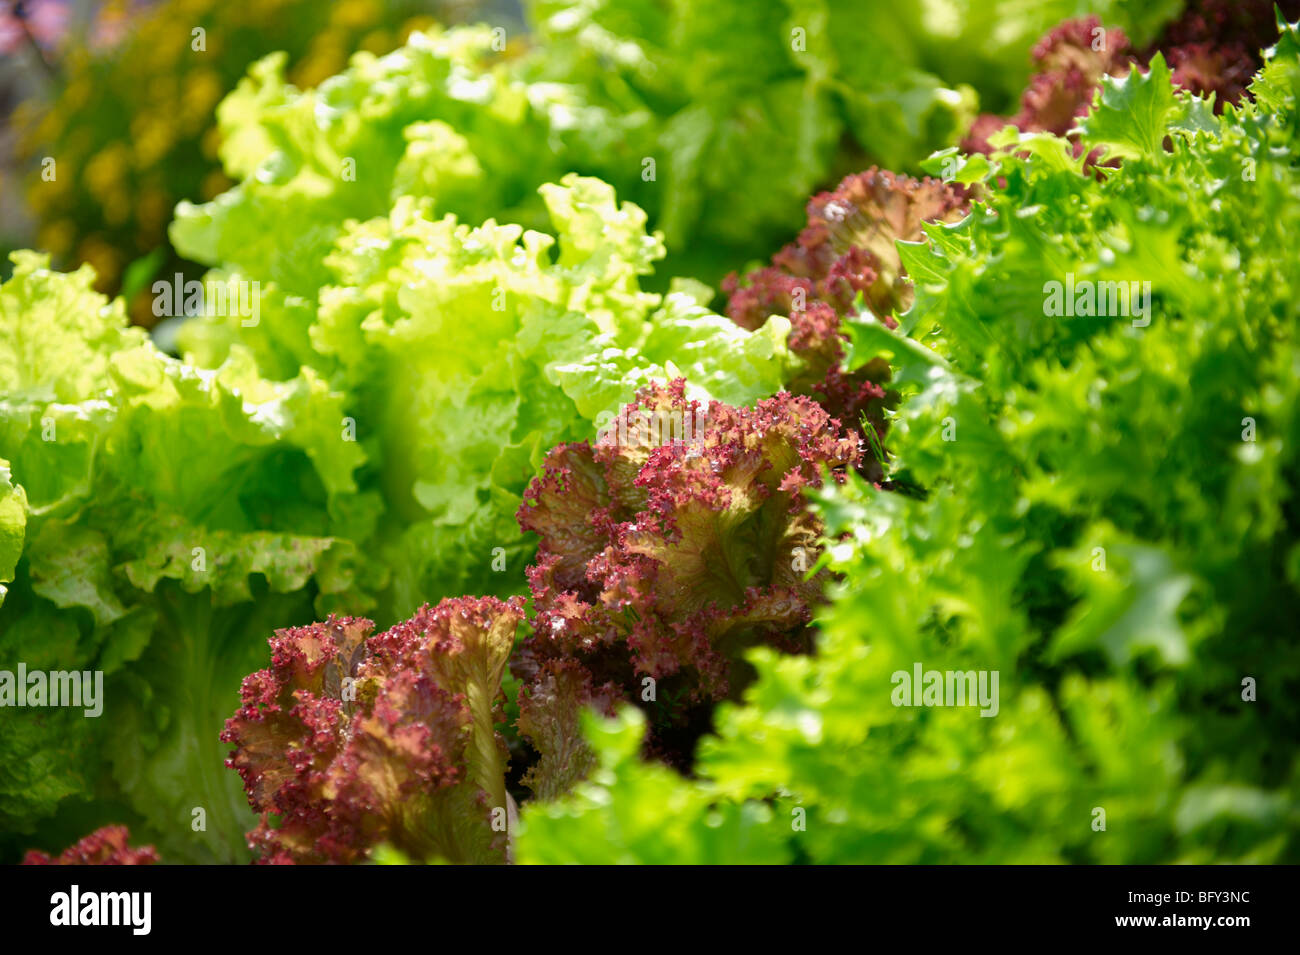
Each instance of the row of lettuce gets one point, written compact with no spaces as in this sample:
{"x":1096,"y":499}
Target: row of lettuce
{"x":1077,"y":504}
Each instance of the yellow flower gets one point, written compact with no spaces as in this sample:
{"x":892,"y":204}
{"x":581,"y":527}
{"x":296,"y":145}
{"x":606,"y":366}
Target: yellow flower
{"x":355,"y":13}
{"x":104,"y":258}
{"x":57,"y":237}
{"x":49,"y":128}
{"x":152,"y":210}
{"x":213,"y":185}
{"x":327,"y":57}
{"x":418,"y":24}
{"x":377,"y":42}
{"x":157,"y":44}
{"x":152,"y":137}
{"x":162,"y":92}
{"x":76,"y":94}
{"x":76,"y":60}
{"x":79,"y":142}
{"x":106,"y":169}
{"x":210,"y":143}
{"x":193,"y":8}
{"x":116,"y":206}
{"x":202,"y":91}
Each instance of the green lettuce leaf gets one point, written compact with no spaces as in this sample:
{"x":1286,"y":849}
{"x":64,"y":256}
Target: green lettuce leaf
{"x":13,"y":521}
{"x":168,"y":518}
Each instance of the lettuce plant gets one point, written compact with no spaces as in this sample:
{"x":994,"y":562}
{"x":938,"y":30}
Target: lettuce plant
{"x":106,"y":846}
{"x":747,"y":108}
{"x":153,"y":514}
{"x":1213,"y":46}
{"x":1069,"y":63}
{"x":845,"y":263}
{"x":351,"y":740}
{"x":677,"y":541}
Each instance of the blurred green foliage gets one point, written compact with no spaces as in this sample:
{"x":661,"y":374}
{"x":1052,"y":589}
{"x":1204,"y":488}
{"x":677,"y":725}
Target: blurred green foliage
{"x":130,"y":118}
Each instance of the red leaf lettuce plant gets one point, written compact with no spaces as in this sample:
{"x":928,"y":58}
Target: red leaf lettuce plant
{"x":350,"y":740}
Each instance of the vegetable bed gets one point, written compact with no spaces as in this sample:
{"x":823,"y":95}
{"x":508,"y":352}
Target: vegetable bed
{"x":686,"y":433}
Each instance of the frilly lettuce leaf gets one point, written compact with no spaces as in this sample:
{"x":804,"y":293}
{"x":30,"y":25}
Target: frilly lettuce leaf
{"x":13,"y":522}
{"x":167,"y":516}
{"x":631,"y":811}
{"x":437,"y":114}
